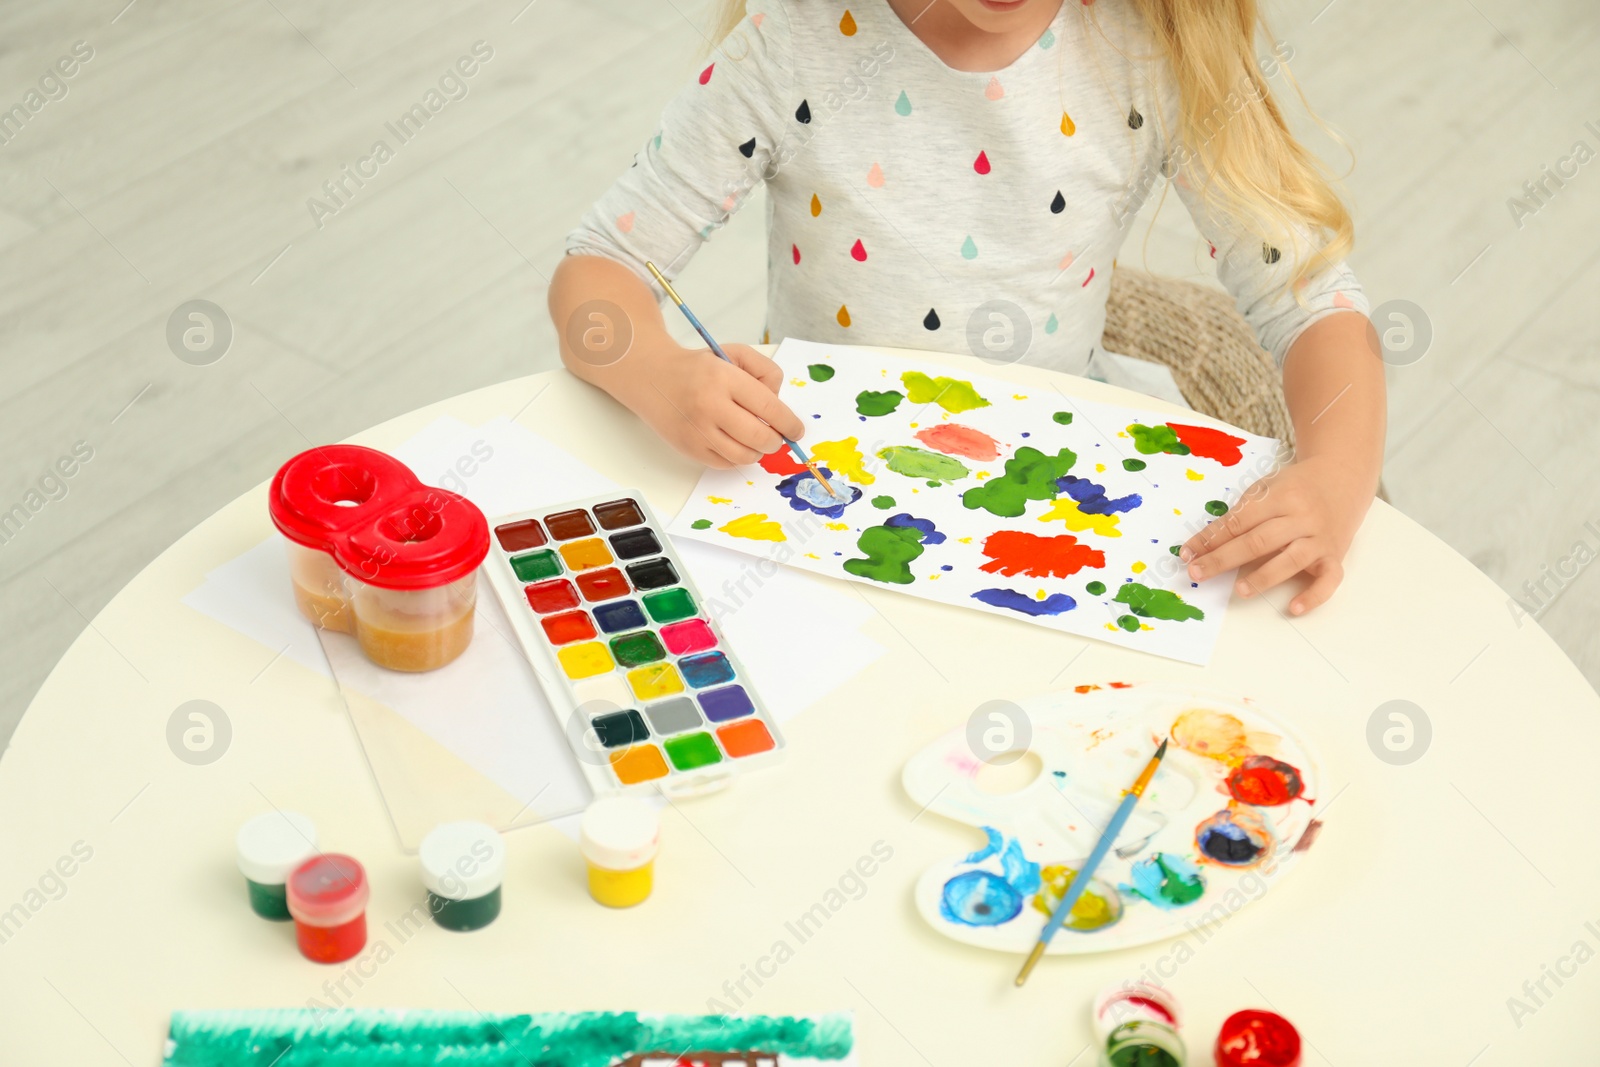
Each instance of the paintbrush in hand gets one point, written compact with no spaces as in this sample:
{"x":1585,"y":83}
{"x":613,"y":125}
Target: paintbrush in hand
{"x":799,"y":453}
{"x":1080,"y":881}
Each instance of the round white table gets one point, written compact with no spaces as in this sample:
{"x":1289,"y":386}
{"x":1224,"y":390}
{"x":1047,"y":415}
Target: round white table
{"x":1446,"y":914}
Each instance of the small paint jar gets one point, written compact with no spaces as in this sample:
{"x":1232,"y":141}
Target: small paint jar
{"x":328,"y":900}
{"x":619,"y":837}
{"x":1143,"y":1043}
{"x":1256,"y":1038}
{"x":268,"y":848}
{"x":463,"y":864}
{"x":1128,"y":1002}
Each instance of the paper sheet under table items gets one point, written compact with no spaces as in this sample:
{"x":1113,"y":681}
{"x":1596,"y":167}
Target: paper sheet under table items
{"x":476,"y":739}
{"x":981,"y":493}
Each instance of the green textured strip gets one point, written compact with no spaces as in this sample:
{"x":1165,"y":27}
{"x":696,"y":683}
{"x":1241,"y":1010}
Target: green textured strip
{"x":305,"y":1037}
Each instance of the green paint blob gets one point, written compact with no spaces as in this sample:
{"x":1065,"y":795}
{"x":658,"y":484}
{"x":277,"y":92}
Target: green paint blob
{"x":302,"y":1037}
{"x":889,"y":552}
{"x":871,"y":403}
{"x":1128,"y":623}
{"x":1062,"y":417}
{"x":1030,"y":475}
{"x":669,"y":605}
{"x":700,"y":524}
{"x":1150,"y":603}
{"x":952,"y":394}
{"x":920,"y":463}
{"x":536,"y":565}
{"x":693,"y":750}
{"x":1133,"y":464}
{"x":1175,"y":549}
{"x":269,"y":901}
{"x":820,"y":372}
{"x":1153,"y":439}
{"x":1095,"y":588}
{"x":1216,"y":507}
{"x":883,"y":503}
{"x":635,"y":650}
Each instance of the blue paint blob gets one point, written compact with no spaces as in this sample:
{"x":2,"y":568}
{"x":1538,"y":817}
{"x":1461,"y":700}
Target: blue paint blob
{"x":1054,"y":604}
{"x":1166,"y":880}
{"x":805,"y":493}
{"x":947,"y":567}
{"x":1228,"y":842}
{"x":978,"y":898}
{"x":930,"y":533}
{"x":1091,"y":498}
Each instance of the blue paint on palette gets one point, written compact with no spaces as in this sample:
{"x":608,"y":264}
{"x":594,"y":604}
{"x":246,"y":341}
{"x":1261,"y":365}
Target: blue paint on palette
{"x":1010,"y":599}
{"x":979,"y":898}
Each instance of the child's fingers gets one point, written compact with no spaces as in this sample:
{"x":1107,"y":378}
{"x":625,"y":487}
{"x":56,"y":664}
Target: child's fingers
{"x":1299,"y":555}
{"x":765,"y":405}
{"x":746,"y":430}
{"x":1329,"y":573}
{"x":1255,"y":543}
{"x":1240,"y":520}
{"x":759,"y":367}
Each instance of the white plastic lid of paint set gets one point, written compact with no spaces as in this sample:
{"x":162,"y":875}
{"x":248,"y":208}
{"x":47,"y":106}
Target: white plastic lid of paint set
{"x":462,"y":860}
{"x":1129,"y":1002}
{"x":272,"y":845}
{"x":620,"y":833}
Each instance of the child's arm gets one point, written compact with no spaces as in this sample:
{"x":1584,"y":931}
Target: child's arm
{"x":717,"y":413}
{"x":1303,"y":518}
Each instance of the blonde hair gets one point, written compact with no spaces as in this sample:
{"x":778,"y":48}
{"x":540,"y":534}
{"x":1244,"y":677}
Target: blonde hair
{"x":1231,"y":131}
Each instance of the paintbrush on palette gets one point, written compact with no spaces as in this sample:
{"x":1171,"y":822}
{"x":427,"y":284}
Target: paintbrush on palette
{"x":799,"y":453}
{"x":1080,"y":881}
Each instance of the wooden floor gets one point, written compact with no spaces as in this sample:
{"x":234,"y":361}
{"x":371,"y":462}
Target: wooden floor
{"x":180,"y":160}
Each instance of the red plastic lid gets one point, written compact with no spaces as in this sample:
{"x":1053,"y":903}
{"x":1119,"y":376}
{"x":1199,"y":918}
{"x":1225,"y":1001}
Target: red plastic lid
{"x":1255,"y":1038}
{"x":327,"y":890}
{"x":378,"y":522}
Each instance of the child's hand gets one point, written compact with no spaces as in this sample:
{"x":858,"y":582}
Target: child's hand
{"x":1299,"y":520}
{"x":720,"y":414}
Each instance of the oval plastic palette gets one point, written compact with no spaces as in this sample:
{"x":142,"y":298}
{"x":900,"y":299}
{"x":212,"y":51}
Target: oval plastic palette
{"x":647,"y":689}
{"x":1224,"y":819}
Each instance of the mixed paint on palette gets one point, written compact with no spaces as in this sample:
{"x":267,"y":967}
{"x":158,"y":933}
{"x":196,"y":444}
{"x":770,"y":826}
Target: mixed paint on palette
{"x":1220,"y":822}
{"x":307,"y":1037}
{"x":972,"y":491}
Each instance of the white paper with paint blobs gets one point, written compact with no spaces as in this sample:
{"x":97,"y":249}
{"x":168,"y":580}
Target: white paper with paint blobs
{"x":1217,"y":828}
{"x":976,"y":492}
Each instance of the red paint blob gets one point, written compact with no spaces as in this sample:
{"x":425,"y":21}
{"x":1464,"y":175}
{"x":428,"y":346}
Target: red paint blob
{"x":781,"y":462}
{"x":1012,"y":552}
{"x":1207,"y":443}
{"x":705,"y":75}
{"x":981,"y":164}
{"x":956,"y":440}
{"x":603,"y":585}
{"x":1265,"y":782}
{"x":858,"y":251}
{"x":556,"y":595}
{"x":1150,"y":1005}
{"x":1089,"y":279}
{"x":1254,"y":1038}
{"x":568,"y":627}
{"x":796,"y":250}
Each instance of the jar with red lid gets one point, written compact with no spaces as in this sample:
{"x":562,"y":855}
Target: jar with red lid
{"x":375,"y":553}
{"x":328,"y":900}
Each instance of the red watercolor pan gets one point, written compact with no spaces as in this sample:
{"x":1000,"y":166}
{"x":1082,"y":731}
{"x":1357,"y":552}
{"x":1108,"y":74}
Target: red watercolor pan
{"x":606,"y":584}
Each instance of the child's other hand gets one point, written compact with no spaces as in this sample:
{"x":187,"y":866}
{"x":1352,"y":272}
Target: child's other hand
{"x":1298,"y":520}
{"x":720,"y":414}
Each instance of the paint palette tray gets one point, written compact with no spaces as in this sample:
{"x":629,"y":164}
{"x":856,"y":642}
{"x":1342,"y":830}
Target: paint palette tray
{"x":643,"y":681}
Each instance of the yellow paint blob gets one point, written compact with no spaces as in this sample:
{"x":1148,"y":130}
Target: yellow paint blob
{"x":754,"y":527}
{"x":1194,"y":476}
{"x":1068,"y":127}
{"x":816,"y":206}
{"x":837,"y":525}
{"x":798,"y":383}
{"x":844,"y":316}
{"x":1019,"y":396}
{"x":590,"y":552}
{"x":656,"y":680}
{"x":1138,"y":568}
{"x":843,"y":456}
{"x":720,"y":499}
{"x":621,"y":889}
{"x":1099,"y":468}
{"x":1066,"y":509}
{"x":641,"y":763}
{"x":585,"y":660}
{"x":812,"y":555}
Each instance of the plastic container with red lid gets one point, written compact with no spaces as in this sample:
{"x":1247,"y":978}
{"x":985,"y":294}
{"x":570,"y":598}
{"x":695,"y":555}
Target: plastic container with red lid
{"x":1257,"y":1038}
{"x":328,"y":900}
{"x":375,"y":553}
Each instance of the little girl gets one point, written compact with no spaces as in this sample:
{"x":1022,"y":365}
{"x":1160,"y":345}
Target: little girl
{"x":939,"y":168}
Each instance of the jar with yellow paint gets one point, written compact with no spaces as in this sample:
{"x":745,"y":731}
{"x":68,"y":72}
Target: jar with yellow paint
{"x":619,"y":837}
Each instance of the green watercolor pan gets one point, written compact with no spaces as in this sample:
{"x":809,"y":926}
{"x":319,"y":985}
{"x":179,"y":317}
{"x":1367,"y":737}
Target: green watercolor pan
{"x":642,"y":680}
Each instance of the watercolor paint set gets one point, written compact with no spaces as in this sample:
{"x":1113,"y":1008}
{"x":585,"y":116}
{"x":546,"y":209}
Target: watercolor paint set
{"x":649,"y":693}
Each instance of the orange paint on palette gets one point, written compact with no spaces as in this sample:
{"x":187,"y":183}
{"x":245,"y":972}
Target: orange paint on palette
{"x":590,"y":552}
{"x":745,"y":738}
{"x":1208,"y":443}
{"x":1012,"y":552}
{"x":781,"y":462}
{"x":955,"y":440}
{"x":641,"y":763}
